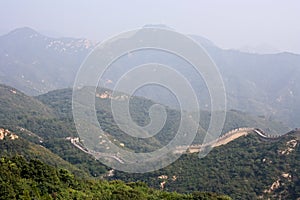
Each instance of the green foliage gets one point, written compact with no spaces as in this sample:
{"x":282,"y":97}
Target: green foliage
{"x":18,"y":108}
{"x":20,"y":179}
{"x":243,"y":169}
{"x":33,"y":151}
{"x":212,"y":173}
{"x":81,"y":160}
{"x":61,"y":104}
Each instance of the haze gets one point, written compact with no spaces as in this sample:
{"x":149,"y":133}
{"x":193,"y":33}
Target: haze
{"x":230,"y":24}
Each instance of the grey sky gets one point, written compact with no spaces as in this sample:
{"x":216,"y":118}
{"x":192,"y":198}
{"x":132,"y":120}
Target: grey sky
{"x":229,"y":24}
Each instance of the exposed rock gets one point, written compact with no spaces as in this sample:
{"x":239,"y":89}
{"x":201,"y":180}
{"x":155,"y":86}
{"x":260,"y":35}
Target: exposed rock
{"x":163,"y":177}
{"x":290,"y":147}
{"x":273,"y":187}
{"x":4,"y":133}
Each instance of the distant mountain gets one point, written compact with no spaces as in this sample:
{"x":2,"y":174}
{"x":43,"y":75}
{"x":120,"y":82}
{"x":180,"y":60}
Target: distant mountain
{"x":36,"y":64}
{"x":263,"y":85}
{"x":259,"y":49}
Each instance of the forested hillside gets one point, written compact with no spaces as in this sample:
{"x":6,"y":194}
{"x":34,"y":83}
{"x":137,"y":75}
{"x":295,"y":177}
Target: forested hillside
{"x":249,"y":167}
{"x":22,"y":179}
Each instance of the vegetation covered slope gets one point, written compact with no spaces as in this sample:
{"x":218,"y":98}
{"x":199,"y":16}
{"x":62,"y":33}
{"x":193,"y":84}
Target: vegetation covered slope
{"x":15,"y":106}
{"x":61,"y":102}
{"x":49,"y":118}
{"x":21,"y":179}
{"x":14,"y":146}
{"x":224,"y":164}
{"x":37,"y":124}
{"x":247,"y":168}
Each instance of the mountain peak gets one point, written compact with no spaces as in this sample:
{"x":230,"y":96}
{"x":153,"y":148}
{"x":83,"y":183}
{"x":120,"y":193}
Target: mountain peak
{"x":161,"y":26}
{"x":24,"y":32}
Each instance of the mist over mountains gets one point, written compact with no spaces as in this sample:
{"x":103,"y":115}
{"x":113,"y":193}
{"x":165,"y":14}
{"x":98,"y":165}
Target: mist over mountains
{"x":40,"y":159}
{"x":36,"y":64}
{"x":260,"y":84}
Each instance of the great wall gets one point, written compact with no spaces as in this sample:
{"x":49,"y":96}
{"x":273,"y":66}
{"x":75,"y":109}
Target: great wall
{"x":226,"y":138}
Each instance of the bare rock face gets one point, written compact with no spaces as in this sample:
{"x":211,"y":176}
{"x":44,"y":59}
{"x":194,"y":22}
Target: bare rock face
{"x":6,"y":134}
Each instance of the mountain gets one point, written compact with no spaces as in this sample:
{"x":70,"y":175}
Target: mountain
{"x":49,"y":118}
{"x":37,"y":124}
{"x":261,"y":84}
{"x":36,"y":64}
{"x":260,"y":49}
{"x":249,"y":167}
{"x":245,"y":167}
{"x":41,"y":156}
{"x":43,"y":138}
{"x":61,"y":102}
{"x":15,"y":105}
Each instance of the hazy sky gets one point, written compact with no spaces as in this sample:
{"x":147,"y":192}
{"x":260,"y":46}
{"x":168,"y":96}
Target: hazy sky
{"x":229,"y":24}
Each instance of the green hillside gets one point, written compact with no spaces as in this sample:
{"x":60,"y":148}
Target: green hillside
{"x":16,"y":107}
{"x":60,"y":101}
{"x":247,"y":168}
{"x":21,"y":179}
{"x":14,"y":147}
{"x":39,"y":122}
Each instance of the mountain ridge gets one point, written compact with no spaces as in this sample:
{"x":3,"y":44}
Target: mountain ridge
{"x":258,"y":84}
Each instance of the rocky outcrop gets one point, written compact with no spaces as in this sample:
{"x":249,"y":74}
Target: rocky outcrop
{"x":6,"y":134}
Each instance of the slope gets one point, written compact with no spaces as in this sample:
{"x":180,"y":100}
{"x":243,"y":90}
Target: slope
{"x":17,"y":108}
{"x":21,"y":179}
{"x":13,"y":144}
{"x":37,"y":123}
{"x":250,"y":167}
